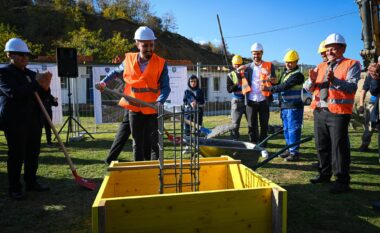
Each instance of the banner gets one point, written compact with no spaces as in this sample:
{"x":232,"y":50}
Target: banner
{"x":178,"y":84}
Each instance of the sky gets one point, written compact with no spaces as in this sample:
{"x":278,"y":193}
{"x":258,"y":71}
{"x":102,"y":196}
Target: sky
{"x":279,"y":25}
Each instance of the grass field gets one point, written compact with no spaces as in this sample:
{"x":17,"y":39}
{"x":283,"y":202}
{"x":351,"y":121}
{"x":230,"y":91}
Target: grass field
{"x":67,"y":207}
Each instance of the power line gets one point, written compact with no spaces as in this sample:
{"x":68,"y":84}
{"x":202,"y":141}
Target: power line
{"x":294,"y":26}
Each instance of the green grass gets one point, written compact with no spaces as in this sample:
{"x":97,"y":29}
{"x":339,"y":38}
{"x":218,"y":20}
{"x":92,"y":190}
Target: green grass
{"x":67,"y":207}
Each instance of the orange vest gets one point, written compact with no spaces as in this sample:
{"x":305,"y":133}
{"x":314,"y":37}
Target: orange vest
{"x":143,"y":86}
{"x":245,"y":88}
{"x":338,"y":102}
{"x":264,"y":77}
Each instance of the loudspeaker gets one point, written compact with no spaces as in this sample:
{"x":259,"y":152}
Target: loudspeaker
{"x":67,"y":62}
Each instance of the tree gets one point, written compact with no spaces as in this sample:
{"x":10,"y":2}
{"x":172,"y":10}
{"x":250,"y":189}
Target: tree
{"x":169,"y":22}
{"x":115,"y":46}
{"x":7,"y":32}
{"x":86,"y":42}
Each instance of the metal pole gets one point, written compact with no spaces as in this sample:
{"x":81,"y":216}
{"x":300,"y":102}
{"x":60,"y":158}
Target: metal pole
{"x":224,"y":44}
{"x":199,"y":74}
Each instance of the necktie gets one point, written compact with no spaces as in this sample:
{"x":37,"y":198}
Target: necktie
{"x":324,"y":88}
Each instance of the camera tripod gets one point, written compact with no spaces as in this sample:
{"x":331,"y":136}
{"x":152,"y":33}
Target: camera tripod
{"x":71,"y":118}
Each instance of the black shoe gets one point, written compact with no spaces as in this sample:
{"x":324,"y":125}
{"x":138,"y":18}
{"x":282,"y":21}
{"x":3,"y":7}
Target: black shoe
{"x":37,"y":187}
{"x":49,"y":144}
{"x":363,"y":148}
{"x":315,"y":165}
{"x":284,"y":155}
{"x":18,"y":196}
{"x":292,"y":158}
{"x":320,"y":179}
{"x":339,"y":188}
{"x":376,"y":205}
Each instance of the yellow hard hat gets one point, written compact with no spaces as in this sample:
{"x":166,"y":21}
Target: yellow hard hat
{"x":322,"y":47}
{"x":291,"y":56}
{"x":237,"y":60}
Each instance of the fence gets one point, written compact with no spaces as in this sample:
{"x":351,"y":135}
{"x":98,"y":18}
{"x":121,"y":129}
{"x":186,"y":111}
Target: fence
{"x":213,"y":83}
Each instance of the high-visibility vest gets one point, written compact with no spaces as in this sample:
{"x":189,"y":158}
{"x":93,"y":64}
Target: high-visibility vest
{"x":293,"y":94}
{"x":338,"y":102}
{"x":245,"y":88}
{"x":264,"y":77}
{"x":235,"y":80}
{"x":141,"y":85}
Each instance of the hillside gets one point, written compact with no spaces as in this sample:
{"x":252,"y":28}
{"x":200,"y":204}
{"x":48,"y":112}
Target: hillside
{"x":45,"y":25}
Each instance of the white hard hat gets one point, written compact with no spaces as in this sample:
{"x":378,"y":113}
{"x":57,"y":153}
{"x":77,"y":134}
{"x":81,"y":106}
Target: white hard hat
{"x":16,"y":45}
{"x":144,"y":33}
{"x":335,"y":38}
{"x":257,"y":47}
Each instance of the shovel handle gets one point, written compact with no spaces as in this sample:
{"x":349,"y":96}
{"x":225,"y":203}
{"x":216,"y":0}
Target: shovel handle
{"x":47,"y":117}
{"x":275,"y":155}
{"x":270,"y":136}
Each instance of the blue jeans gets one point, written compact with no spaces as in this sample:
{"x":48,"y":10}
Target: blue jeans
{"x":292,"y":122}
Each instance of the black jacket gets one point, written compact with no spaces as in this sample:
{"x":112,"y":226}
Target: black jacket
{"x":18,"y":105}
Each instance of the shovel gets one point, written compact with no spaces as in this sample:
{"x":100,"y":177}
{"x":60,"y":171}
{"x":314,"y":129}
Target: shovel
{"x":81,"y":181}
{"x":219,"y":130}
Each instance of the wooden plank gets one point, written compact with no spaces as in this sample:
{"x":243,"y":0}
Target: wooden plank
{"x":171,"y":165}
{"x":219,"y":211}
{"x":278,"y":216}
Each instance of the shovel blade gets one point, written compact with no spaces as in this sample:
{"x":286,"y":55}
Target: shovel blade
{"x":84,"y":182}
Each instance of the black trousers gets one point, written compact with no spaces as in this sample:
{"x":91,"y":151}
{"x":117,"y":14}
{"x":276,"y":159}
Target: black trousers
{"x":257,"y":111}
{"x":121,"y":138}
{"x":47,"y":126}
{"x":24,"y":143}
{"x":333,"y":144}
{"x":145,"y":136}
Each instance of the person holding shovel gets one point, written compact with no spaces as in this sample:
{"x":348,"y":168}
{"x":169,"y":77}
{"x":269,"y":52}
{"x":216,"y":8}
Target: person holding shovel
{"x":146,"y":78}
{"x":21,"y":118}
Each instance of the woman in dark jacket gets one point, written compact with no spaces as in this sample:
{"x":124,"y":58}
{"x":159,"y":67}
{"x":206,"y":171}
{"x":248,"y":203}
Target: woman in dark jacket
{"x":192,"y":98}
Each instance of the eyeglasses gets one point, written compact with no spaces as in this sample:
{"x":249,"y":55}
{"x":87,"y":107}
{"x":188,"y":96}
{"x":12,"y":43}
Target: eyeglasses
{"x":21,"y":54}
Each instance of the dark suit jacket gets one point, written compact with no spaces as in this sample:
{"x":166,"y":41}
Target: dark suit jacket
{"x":18,"y":105}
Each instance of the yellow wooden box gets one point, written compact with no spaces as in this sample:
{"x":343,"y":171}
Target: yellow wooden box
{"x":231,"y":198}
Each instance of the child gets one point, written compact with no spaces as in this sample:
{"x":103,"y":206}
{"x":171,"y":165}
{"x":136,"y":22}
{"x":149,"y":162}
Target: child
{"x":193,"y":96}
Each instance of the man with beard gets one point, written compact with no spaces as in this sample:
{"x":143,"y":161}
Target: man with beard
{"x":146,"y":78}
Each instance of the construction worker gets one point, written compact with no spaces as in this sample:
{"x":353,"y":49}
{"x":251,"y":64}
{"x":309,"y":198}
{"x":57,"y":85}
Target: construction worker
{"x":146,"y":78}
{"x":322,"y":51}
{"x":290,"y":90}
{"x":367,"y":110}
{"x":49,"y":100}
{"x":234,"y":86}
{"x":21,"y":117}
{"x":334,"y":84}
{"x":257,"y":101}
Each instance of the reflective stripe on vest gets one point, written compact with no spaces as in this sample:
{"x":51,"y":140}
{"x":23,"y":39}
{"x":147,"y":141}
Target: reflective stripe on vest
{"x":141,"y":85}
{"x":235,"y":80}
{"x":264,"y":77}
{"x":338,"y":101}
{"x":292,"y":95}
